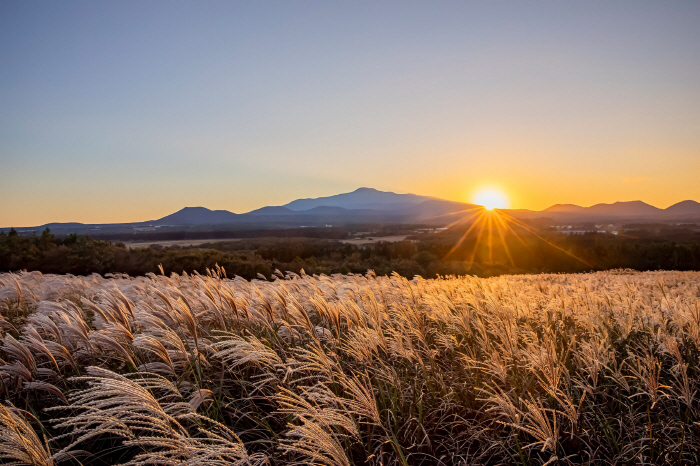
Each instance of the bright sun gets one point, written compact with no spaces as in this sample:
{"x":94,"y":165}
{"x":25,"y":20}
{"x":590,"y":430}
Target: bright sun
{"x":490,"y":199}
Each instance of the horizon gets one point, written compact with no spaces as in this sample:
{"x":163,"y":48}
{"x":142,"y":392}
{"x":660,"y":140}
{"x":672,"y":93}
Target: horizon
{"x":118,"y":113}
{"x":330,"y":195}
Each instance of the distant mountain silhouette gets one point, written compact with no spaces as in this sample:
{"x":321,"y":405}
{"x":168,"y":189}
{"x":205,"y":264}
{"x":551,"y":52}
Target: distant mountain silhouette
{"x":362,"y":198}
{"x":627,"y":211}
{"x":567,"y":208}
{"x":271,"y":210}
{"x":198,"y":216}
{"x":323,"y":210}
{"x":684,"y":208}
{"x":617,"y":209}
{"x":367,"y":205}
{"x":439,"y":210}
{"x":64,"y":225}
{"x":363,"y":204}
{"x":328,"y":210}
{"x":624,"y":209}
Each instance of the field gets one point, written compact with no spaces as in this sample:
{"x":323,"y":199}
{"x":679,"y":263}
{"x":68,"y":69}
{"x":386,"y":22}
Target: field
{"x":358,"y":369}
{"x":179,"y":242}
{"x":374,"y":239}
{"x":199,"y":242}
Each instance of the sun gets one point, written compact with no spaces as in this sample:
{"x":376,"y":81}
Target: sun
{"x":491,"y":199}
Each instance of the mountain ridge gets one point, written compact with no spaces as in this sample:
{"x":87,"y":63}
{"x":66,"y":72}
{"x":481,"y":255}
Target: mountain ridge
{"x":361,"y":198}
{"x":198,"y":215}
{"x":627,"y":209}
{"x":372,"y":205}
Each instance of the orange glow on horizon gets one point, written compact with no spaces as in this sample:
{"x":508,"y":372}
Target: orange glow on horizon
{"x":490,"y":198}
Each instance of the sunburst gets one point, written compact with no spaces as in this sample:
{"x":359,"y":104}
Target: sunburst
{"x":491,"y":227}
{"x":491,"y":198}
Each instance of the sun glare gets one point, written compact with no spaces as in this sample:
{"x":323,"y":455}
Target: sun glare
{"x":490,"y":199}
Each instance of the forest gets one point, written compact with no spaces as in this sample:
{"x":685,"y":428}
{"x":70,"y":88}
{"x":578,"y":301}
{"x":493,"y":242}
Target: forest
{"x":428,"y":255}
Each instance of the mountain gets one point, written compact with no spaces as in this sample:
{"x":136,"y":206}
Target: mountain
{"x":439,"y":210}
{"x":361,"y":205}
{"x":330,"y":210}
{"x":684,"y":208}
{"x":271,"y":210}
{"x":624,"y":209}
{"x":198,"y":216}
{"x":565,"y":208}
{"x":617,"y":209}
{"x":362,"y":198}
{"x":53,"y":226}
{"x":371,"y":206}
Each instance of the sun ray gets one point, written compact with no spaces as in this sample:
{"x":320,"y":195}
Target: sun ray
{"x":505,"y":224}
{"x":485,"y":221}
{"x":499,"y":228}
{"x":490,"y":225}
{"x":479,"y":215}
{"x":475,"y":209}
{"x":478,"y":240}
{"x":528,"y":229}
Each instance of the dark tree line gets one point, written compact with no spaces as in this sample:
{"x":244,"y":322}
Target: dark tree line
{"x":434,"y":255}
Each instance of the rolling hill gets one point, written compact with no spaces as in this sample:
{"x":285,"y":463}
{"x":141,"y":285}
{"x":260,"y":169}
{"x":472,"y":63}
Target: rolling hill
{"x":624,"y":211}
{"x":198,"y":216}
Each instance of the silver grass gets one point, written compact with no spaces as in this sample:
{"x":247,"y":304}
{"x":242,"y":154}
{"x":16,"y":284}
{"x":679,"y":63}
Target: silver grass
{"x":120,"y":406}
{"x":540,"y":351}
{"x":19,"y":443}
{"x":235,"y":351}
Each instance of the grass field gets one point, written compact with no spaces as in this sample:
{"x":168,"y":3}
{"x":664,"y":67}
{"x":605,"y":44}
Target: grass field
{"x":350,"y":370}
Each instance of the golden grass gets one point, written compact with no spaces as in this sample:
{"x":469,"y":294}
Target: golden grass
{"x":203,"y":370}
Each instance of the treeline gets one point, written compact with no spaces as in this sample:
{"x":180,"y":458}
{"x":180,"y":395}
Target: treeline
{"x":438,"y":254}
{"x":183,"y":234}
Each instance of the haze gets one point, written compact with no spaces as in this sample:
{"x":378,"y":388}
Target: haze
{"x":128,"y":111}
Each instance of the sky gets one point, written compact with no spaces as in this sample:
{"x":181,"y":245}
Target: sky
{"x":128,"y":111}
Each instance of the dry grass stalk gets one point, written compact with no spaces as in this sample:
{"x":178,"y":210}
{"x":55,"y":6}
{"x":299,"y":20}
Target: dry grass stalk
{"x":358,"y":369}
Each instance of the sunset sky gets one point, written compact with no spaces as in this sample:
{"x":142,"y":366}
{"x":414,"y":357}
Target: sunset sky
{"x":129,"y":111}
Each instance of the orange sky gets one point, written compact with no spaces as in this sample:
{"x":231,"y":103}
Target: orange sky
{"x":118,"y":112}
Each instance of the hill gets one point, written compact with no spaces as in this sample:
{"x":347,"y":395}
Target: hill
{"x":624,"y":211}
{"x":198,"y":216}
{"x":684,"y":208}
{"x":565,"y":208}
{"x":361,"y":198}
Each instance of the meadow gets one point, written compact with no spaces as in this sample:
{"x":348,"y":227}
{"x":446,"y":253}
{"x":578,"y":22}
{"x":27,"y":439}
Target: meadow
{"x":355,"y":369}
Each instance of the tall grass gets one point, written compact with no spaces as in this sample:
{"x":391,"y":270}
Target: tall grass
{"x":350,"y":370}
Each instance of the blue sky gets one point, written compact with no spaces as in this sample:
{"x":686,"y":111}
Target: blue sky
{"x":128,"y":111}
